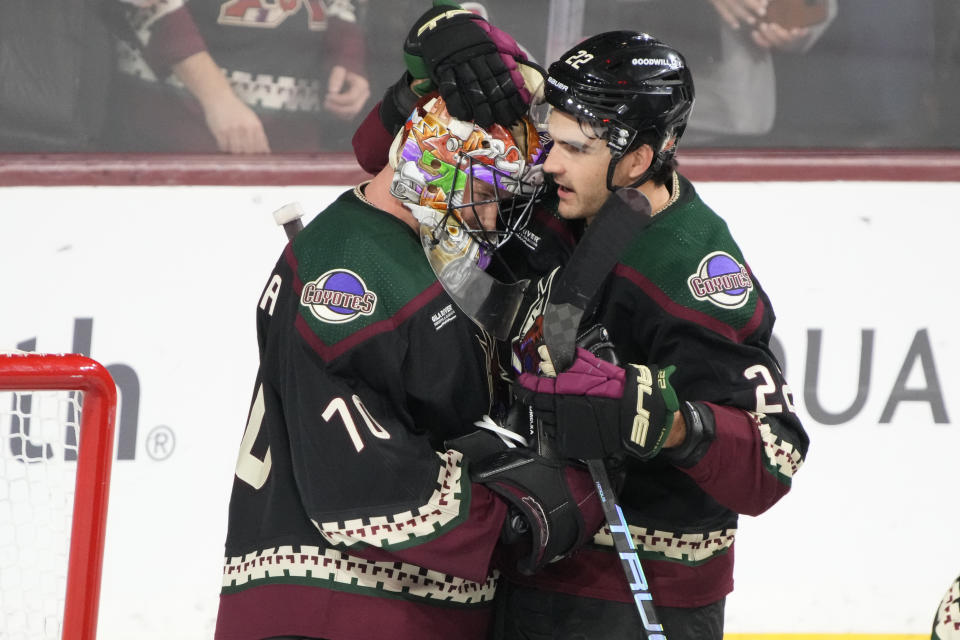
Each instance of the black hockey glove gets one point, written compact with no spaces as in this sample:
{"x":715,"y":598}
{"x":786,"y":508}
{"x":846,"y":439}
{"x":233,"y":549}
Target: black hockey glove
{"x":398,"y":103}
{"x":553,"y":506}
{"x":470,"y":62}
{"x":596,"y":409}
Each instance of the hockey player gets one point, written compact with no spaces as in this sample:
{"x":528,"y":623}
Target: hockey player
{"x":722,"y":437}
{"x":349,"y":517}
{"x":701,"y":416}
{"x":946,"y":622}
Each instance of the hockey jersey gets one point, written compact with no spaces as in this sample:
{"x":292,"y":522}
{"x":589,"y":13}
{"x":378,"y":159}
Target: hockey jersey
{"x":682,"y":294}
{"x":348,"y":517}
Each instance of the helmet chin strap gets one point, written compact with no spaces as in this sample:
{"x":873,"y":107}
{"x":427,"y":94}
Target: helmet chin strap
{"x":669,"y":141}
{"x":652,"y":169}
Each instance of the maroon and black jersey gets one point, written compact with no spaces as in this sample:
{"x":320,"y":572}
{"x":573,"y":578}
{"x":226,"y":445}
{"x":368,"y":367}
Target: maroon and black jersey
{"x":348,"y":516}
{"x":682,"y":294}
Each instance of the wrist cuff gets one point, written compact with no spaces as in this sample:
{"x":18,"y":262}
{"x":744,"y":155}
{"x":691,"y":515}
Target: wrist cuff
{"x":701,"y":430}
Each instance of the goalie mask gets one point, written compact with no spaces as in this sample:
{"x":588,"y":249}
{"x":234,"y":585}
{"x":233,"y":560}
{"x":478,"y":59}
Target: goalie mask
{"x":483,"y":180}
{"x":471,"y":189}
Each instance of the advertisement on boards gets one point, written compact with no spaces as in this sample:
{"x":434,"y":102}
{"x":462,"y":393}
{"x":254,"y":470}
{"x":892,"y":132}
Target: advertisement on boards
{"x":160,"y":285}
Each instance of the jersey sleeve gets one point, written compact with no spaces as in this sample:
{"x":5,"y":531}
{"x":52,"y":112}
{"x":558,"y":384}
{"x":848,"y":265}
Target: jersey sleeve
{"x":705,"y":312}
{"x":166,"y":33}
{"x":382,"y":483}
{"x":371,"y":142}
{"x":344,"y":42}
{"x":757,"y":442}
{"x":754,"y":441}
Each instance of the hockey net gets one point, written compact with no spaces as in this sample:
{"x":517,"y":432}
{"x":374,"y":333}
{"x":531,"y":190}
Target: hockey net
{"x":57,"y":415}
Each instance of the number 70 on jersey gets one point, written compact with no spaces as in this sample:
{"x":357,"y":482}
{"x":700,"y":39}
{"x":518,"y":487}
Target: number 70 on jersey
{"x":255,"y":471}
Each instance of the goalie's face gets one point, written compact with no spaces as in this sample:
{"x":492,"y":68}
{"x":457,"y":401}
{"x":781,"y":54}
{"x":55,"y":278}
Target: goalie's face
{"x":477,"y":205}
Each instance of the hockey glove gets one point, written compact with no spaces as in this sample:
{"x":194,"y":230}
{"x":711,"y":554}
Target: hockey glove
{"x":595,"y":409}
{"x":471,"y":63}
{"x":397,"y":103}
{"x":553,"y":506}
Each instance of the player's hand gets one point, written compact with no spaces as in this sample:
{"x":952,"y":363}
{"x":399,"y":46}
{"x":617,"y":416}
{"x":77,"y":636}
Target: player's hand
{"x":347,"y":92}
{"x":554,"y":507}
{"x":738,"y":12}
{"x":596,"y":409}
{"x":769,"y":35}
{"x":471,"y":63}
{"x":235,"y":126}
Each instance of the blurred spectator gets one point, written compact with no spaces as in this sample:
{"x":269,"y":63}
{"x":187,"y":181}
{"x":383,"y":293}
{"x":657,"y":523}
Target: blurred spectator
{"x":240,"y":76}
{"x":55,"y":68}
{"x":869,"y":82}
{"x":729,"y":46}
{"x":385,"y":24}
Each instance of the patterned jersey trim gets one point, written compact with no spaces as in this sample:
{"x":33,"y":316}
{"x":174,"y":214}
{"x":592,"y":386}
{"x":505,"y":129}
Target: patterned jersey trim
{"x":782,"y":458}
{"x":947,"y":622}
{"x":261,"y":90}
{"x":447,"y":507}
{"x":688,"y":548}
{"x":332,"y":569}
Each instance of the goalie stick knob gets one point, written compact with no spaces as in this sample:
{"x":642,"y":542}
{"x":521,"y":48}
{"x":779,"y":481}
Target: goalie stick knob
{"x":289,"y":217}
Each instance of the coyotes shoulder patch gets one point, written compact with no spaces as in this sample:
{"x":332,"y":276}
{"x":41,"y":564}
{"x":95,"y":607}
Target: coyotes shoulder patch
{"x":721,"y":280}
{"x":338,"y":296}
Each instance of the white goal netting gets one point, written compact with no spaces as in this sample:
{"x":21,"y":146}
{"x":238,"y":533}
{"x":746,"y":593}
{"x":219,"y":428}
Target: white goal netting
{"x":57,"y":415}
{"x":38,"y":470}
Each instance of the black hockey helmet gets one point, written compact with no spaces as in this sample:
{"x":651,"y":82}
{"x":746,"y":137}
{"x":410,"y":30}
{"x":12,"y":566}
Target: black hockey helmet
{"x":624,"y":85}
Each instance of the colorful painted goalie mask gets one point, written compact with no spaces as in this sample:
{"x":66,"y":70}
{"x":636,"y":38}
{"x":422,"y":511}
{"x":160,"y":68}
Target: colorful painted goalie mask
{"x":455,"y":172}
{"x":471,"y":190}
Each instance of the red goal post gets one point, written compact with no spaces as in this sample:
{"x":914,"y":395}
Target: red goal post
{"x":39,"y":447}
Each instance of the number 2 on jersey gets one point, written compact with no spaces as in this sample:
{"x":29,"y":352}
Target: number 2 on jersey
{"x":768,"y":390}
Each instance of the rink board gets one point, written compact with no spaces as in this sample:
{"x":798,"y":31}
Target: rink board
{"x":160,"y":283}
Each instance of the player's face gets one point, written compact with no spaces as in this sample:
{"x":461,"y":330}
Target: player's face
{"x":578,"y":165}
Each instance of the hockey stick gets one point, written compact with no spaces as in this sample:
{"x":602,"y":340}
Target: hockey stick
{"x":625,"y":214}
{"x":289,"y":217}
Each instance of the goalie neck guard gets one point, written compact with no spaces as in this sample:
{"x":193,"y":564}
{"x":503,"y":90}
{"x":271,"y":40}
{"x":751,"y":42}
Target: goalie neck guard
{"x":627,"y":88}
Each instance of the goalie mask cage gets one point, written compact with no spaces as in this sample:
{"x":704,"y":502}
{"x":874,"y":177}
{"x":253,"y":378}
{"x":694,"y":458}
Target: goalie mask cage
{"x":53,"y":493}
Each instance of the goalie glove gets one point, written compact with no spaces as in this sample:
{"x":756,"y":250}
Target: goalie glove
{"x":471,"y":63}
{"x":553,"y":506}
{"x":596,"y":409}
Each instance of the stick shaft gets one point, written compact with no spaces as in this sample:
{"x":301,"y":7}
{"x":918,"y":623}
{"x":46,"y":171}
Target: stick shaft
{"x":292,"y":228}
{"x":629,"y":561}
